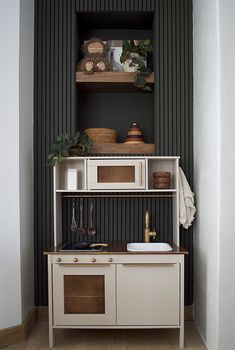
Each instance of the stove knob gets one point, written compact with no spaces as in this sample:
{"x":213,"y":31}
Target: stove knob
{"x":58,"y":259}
{"x":93,"y":260}
{"x":75,"y":260}
{"x":110,"y":259}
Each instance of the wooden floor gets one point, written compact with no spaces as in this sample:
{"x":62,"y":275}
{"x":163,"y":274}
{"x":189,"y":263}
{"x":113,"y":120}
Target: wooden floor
{"x":144,"y":339}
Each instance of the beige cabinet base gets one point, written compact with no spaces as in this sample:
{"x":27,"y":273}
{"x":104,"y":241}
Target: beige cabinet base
{"x":139,"y":291}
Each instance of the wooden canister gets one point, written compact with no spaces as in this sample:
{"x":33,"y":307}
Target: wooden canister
{"x":161,"y":180}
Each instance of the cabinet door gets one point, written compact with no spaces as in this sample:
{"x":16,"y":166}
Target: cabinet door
{"x":148,"y":294}
{"x":84,"y":295}
{"x":116,"y":174}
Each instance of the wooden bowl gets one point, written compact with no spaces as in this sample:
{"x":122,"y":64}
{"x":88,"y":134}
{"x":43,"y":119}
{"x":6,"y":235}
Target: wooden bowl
{"x":162,"y":179}
{"x":162,"y":174}
{"x":161,"y":185}
{"x":102,"y":135}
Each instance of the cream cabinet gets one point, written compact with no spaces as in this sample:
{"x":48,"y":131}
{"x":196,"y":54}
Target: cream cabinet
{"x":116,"y":291}
{"x":148,"y":294}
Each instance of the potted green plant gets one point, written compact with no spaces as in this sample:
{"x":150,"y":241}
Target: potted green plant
{"x":63,"y":146}
{"x":134,"y":57}
{"x":81,"y":145}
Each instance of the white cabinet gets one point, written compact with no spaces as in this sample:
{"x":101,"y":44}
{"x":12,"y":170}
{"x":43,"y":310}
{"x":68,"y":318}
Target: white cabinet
{"x":108,"y":176}
{"x":115,"y":174}
{"x":148,"y":294}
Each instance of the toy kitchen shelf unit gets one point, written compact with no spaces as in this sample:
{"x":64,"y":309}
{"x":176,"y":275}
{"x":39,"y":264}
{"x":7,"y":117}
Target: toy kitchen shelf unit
{"x":118,"y":177}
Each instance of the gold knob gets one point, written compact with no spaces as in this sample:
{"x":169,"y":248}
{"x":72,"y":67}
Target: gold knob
{"x":75,"y":260}
{"x":58,"y":259}
{"x":110,"y":259}
{"x":93,"y":260}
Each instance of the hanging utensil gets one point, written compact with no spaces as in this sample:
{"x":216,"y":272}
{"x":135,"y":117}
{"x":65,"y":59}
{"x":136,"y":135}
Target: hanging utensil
{"x":91,"y":230}
{"x":81,"y":230}
{"x":73,"y":222}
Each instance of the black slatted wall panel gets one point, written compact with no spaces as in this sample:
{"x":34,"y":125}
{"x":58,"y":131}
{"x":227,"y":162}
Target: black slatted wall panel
{"x":120,"y":219}
{"x":115,"y":5}
{"x":55,"y":112}
{"x":174,"y":98}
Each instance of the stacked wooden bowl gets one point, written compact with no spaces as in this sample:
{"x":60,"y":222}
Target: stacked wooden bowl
{"x":161,"y":180}
{"x":134,"y":134}
{"x":102,"y":135}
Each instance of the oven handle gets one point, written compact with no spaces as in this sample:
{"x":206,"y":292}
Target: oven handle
{"x":140,"y":167}
{"x":148,"y":264}
{"x":82,"y":264}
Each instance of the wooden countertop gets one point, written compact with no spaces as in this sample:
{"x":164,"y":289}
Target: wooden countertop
{"x":113,"y":248}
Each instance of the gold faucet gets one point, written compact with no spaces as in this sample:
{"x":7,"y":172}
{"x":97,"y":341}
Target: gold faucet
{"x":147,"y":232}
{"x":147,"y":229}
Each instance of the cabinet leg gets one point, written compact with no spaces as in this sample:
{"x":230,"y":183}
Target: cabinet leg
{"x":51,"y":337}
{"x":181,"y":337}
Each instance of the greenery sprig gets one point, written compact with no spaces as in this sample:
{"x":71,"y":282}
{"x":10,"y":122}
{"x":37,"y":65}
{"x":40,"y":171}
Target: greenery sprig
{"x":142,"y":48}
{"x":61,"y":146}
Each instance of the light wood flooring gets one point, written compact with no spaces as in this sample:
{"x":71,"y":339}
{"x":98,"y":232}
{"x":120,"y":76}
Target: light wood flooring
{"x":144,"y":339}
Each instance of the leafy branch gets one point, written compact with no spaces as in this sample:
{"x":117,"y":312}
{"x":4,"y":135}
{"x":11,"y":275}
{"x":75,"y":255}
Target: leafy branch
{"x":143,"y":48}
{"x":62,"y":145}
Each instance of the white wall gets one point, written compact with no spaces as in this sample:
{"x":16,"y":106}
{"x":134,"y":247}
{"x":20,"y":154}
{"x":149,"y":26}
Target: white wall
{"x":227,"y":188}
{"x":26,"y":153}
{"x":214,"y":145}
{"x":16,"y":115}
{"x":206,"y":153}
{"x":10,"y":290}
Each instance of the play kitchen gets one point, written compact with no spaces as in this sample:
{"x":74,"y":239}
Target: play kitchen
{"x":95,"y":283}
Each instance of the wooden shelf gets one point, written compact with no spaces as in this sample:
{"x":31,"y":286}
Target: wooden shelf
{"x":123,"y":148}
{"x":109,"y":82}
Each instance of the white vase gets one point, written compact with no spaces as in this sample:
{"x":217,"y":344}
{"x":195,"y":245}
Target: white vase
{"x":127,"y":68}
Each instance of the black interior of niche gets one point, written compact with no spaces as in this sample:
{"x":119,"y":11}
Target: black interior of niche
{"x":113,"y":26}
{"x":115,"y":110}
{"x":119,"y":219}
{"x":117,"y":19}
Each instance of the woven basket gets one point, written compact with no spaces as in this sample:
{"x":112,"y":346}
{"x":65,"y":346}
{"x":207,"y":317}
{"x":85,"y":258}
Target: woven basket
{"x":102,"y":135}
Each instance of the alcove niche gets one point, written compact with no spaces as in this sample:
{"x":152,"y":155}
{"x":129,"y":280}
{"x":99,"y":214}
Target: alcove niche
{"x":117,"y":105}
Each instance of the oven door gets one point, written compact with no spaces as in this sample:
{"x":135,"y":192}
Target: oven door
{"x":116,"y":174}
{"x":84,"y":294}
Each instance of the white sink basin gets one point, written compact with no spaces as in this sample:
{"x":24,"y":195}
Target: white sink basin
{"x":148,"y":247}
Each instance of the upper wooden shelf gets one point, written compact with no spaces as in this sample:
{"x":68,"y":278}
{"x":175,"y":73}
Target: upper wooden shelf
{"x":109,"y":82}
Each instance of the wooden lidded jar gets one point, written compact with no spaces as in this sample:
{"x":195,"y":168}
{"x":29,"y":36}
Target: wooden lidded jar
{"x":134,"y":134}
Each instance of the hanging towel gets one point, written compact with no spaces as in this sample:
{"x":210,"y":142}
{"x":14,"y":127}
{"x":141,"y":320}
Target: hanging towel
{"x":186,"y":201}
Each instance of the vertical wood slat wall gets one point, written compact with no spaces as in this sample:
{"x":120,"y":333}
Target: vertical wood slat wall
{"x":174,"y":97}
{"x":55,"y":112}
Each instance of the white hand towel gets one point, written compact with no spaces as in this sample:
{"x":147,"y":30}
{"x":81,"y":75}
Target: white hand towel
{"x":186,"y":201}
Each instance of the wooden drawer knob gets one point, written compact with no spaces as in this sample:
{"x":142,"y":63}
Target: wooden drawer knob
{"x":93,"y":260}
{"x":58,"y":259}
{"x":110,"y":259}
{"x":75,"y":260}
